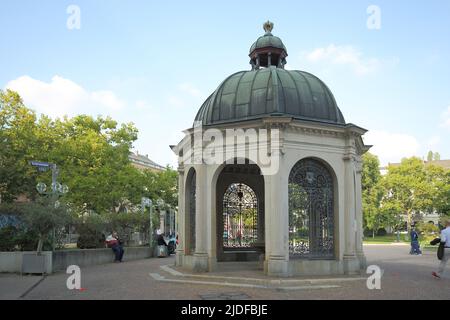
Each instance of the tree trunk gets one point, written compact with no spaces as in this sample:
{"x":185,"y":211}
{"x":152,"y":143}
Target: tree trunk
{"x":373,"y":233}
{"x":40,"y":245}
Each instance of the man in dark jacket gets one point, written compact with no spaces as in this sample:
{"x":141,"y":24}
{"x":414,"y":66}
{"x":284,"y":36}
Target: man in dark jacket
{"x":415,"y":247}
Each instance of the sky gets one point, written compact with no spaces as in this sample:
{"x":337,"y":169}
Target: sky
{"x":153,"y":63}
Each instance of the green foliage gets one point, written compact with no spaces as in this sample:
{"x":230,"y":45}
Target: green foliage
{"x":428,"y":232}
{"x":38,"y":221}
{"x":372,"y":194}
{"x":8,"y":236}
{"x":92,"y":155}
{"x":408,"y":188}
{"x":162,"y":185}
{"x":91,"y":229}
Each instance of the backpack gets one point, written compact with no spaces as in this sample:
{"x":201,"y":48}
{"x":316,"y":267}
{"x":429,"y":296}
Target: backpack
{"x":440,"y":252}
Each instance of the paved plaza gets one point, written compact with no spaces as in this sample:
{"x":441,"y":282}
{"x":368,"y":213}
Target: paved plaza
{"x":404,"y":277}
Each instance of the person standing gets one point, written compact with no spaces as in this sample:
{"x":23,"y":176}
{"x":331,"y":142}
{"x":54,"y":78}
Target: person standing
{"x":445,"y":240}
{"x":415,"y":246}
{"x":113,"y":242}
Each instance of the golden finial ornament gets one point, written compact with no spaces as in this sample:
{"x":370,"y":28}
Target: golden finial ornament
{"x":268,"y":26}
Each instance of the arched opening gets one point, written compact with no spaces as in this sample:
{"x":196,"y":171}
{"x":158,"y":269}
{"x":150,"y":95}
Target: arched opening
{"x":311,"y":211}
{"x":190,"y":212}
{"x":240,"y":217}
{"x":240,"y":213}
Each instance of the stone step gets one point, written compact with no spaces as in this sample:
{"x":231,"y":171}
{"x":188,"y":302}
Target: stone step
{"x":170,"y":274}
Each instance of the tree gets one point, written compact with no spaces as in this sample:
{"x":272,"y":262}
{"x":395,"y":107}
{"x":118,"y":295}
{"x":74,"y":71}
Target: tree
{"x":407,"y":188}
{"x":437,"y":156}
{"x":39,"y":218}
{"x":162,"y":185}
{"x":439,"y":183}
{"x":372,"y":194}
{"x":433,"y":156}
{"x":17,"y":146}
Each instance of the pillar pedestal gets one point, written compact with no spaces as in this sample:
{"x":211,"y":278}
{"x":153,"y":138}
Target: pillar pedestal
{"x":200,"y":262}
{"x":276,"y":266}
{"x":351,"y":264}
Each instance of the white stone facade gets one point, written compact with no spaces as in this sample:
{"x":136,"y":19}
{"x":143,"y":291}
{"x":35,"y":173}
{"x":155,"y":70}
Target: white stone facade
{"x":338,"y":147}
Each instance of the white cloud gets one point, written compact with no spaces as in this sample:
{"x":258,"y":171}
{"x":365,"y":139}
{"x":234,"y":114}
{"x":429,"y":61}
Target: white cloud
{"x":345,"y":56}
{"x":446,"y":118}
{"x":62,"y":96}
{"x":108,"y":99}
{"x":391,"y":147}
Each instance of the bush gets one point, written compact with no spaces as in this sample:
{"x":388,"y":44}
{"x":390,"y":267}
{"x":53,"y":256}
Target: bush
{"x":90,"y":238}
{"x":91,"y":230}
{"x":428,"y":232}
{"x":8,"y":236}
{"x":382,"y":232}
{"x":36,"y":221}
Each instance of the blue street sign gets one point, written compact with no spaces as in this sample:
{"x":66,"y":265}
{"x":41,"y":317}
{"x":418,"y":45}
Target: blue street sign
{"x":40,"y":164}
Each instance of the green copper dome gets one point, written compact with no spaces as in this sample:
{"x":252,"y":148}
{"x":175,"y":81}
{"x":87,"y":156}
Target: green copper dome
{"x":248,"y":95}
{"x":270,"y":90}
{"x":268,"y":40}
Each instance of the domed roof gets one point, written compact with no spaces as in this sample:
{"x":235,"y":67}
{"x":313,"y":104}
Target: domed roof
{"x":268,"y":40}
{"x":272,"y":91}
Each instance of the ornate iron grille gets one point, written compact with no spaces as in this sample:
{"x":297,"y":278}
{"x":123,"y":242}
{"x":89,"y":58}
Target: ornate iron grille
{"x":240,"y":217}
{"x":311,"y":219}
{"x":192,"y":197}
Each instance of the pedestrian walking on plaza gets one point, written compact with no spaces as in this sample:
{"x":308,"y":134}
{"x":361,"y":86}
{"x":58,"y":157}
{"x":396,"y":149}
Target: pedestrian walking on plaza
{"x":415,"y":246}
{"x":445,"y":254}
{"x":162,"y":245}
{"x":113,"y":242}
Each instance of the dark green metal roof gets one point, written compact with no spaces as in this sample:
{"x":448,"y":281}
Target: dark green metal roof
{"x":268,"y":40}
{"x":248,"y":95}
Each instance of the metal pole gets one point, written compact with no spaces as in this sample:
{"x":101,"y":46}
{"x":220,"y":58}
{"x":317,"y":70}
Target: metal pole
{"x":54,"y":198}
{"x":150,"y":240}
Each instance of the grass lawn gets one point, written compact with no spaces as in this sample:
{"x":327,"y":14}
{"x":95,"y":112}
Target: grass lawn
{"x":391,"y":238}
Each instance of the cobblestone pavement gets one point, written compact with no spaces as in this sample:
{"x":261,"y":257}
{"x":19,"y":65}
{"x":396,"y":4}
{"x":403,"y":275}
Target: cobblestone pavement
{"x":404,"y":277}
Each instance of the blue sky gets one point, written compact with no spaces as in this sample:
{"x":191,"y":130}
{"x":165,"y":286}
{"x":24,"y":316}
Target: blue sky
{"x":154,"y":63}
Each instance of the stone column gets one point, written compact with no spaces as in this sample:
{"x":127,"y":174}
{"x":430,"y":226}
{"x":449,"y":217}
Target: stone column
{"x":211,"y":218}
{"x":181,"y":225}
{"x":359,"y":215}
{"x":351,"y":263}
{"x":201,"y":255}
{"x":277,"y":225}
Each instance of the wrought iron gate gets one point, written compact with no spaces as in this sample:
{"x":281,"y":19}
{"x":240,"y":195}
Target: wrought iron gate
{"x":240,"y":217}
{"x":311,"y":218}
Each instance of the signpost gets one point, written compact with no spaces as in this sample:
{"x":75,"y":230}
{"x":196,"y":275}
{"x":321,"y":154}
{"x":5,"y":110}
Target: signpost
{"x":57,"y":189}
{"x":146,"y":202}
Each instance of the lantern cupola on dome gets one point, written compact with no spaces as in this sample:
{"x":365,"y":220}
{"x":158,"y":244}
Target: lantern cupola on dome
{"x":268,"y":50}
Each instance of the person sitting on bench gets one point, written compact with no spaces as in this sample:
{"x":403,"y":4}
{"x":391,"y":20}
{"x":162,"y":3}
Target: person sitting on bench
{"x":113,"y":242}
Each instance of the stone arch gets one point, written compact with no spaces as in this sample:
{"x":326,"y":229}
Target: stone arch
{"x":248,"y":175}
{"x":190,"y":211}
{"x":313,"y":210}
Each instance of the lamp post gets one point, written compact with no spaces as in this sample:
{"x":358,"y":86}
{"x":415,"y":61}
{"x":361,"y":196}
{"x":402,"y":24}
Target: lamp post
{"x":160,"y":204}
{"x":57,"y":189}
{"x":146,"y":202}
